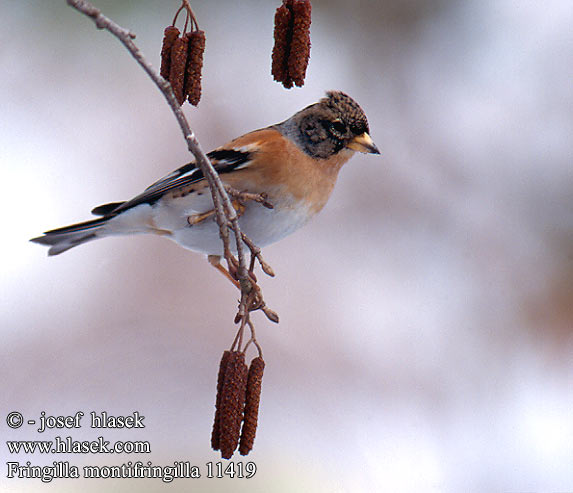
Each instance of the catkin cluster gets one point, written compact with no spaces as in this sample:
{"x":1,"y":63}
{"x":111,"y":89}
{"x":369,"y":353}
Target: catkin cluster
{"x":291,"y":50}
{"x":238,"y":397}
{"x":181,"y":63}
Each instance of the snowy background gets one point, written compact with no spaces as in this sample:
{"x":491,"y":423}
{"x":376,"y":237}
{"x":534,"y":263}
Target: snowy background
{"x":426,"y":335}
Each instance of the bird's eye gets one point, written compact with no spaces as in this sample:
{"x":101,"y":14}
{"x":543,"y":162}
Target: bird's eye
{"x":357,"y":128}
{"x":338,"y":126}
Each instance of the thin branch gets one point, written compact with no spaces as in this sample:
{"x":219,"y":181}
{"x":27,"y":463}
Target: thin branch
{"x":225,"y":212}
{"x":256,"y":253}
{"x":227,"y":218}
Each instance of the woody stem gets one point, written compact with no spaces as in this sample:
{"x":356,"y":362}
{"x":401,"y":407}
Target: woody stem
{"x":225,"y":211}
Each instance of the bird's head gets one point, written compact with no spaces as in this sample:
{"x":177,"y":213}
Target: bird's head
{"x":325,"y":128}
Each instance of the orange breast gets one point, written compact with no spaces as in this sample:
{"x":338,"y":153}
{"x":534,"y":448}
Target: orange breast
{"x":280,"y":168}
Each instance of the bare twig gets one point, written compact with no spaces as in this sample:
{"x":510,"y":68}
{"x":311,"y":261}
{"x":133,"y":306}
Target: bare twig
{"x":225,"y":212}
{"x":233,"y":373}
{"x":253,"y":340}
{"x":256,"y":253}
{"x":244,"y":197}
{"x":187,"y":5}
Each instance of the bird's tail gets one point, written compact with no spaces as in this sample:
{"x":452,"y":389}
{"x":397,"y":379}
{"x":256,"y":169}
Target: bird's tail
{"x":62,"y":239}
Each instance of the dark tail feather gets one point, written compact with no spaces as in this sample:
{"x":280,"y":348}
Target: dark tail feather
{"x":106,"y":209}
{"x":62,"y":239}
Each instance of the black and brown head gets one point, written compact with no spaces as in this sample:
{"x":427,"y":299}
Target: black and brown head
{"x":325,"y":128}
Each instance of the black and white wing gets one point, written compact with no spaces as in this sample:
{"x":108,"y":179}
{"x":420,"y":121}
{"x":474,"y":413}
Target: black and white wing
{"x":223,"y":160}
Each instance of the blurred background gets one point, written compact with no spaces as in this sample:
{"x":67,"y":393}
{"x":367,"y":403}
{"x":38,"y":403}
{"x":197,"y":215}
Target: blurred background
{"x":426,"y":335}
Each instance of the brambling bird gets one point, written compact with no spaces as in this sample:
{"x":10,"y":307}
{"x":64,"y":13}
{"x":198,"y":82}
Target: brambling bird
{"x":294,"y":164}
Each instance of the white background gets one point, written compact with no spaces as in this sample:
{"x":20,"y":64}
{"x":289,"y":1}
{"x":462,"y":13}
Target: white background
{"x":426,"y":331}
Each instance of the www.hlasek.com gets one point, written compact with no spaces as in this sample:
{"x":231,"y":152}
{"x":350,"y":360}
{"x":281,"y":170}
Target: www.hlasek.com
{"x":131,"y":470}
{"x":69,"y":446}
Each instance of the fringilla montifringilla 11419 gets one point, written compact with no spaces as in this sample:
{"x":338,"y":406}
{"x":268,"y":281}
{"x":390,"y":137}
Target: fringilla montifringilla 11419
{"x":294,"y":163}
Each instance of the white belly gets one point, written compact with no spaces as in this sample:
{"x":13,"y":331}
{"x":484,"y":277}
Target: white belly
{"x":264,"y":226}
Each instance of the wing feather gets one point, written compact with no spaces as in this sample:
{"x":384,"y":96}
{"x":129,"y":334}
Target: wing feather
{"x":224,"y":160}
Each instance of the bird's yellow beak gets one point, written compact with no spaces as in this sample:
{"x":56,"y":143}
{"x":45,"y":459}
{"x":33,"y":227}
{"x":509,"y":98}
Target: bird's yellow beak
{"x":363,"y":143}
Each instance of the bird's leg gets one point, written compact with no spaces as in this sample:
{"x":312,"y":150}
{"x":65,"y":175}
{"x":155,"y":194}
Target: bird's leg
{"x":243,"y":197}
{"x":215,"y":261}
{"x":232,"y":273}
{"x":199,"y":218}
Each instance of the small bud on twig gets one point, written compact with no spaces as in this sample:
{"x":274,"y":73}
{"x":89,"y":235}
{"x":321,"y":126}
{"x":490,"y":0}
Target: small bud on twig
{"x":271,"y":314}
{"x":256,"y":252}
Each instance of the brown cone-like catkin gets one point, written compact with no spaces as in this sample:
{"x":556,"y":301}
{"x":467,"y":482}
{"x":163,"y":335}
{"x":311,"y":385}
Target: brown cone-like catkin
{"x":170,"y":35}
{"x":232,"y":404}
{"x":178,"y":63}
{"x":252,"y":400}
{"x":300,"y":45}
{"x":282,"y":35}
{"x":291,"y":50}
{"x":215,"y":435}
{"x":195,"y":49}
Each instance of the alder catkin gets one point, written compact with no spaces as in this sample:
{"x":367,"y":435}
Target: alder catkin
{"x":300,"y":45}
{"x":282,"y":35}
{"x":170,"y":34}
{"x":178,"y":64}
{"x":252,"y":400}
{"x":215,"y":435}
{"x":291,"y":50}
{"x":232,"y":404}
{"x":195,"y":49}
